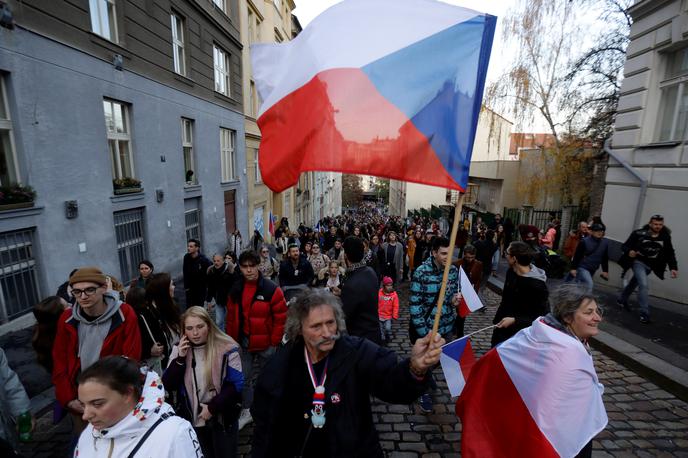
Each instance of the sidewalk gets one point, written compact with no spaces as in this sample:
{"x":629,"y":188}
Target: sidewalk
{"x":655,"y":350}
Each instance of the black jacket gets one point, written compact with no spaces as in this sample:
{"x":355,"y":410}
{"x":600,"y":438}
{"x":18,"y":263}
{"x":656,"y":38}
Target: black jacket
{"x":356,"y":370}
{"x":654,"y":252}
{"x":195,"y":273}
{"x":524,"y":298}
{"x":220,"y":282}
{"x":359,"y":301}
{"x":289,"y":277}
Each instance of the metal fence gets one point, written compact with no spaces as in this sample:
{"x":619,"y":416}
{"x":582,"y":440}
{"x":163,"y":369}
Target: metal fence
{"x":192,"y":221}
{"x":131,"y":244}
{"x":19,"y":289}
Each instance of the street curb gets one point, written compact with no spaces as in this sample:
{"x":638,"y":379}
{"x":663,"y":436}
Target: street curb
{"x":665,"y":375}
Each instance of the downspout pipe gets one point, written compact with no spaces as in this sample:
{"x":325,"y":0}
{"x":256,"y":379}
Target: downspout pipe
{"x":643,"y":181}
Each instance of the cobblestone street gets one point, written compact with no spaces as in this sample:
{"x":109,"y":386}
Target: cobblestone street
{"x":644,"y":420}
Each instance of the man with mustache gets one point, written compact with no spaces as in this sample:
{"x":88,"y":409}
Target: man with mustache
{"x":313,"y":396}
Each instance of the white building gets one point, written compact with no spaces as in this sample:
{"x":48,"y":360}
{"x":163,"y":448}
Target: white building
{"x":648,"y":167}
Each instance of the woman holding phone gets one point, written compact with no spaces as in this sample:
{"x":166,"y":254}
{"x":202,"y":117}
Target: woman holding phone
{"x":205,"y":372}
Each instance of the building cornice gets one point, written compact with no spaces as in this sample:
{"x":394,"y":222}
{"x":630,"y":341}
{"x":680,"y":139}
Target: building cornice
{"x":645,"y":7}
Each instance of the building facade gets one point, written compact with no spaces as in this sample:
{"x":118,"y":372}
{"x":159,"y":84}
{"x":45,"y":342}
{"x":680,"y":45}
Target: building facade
{"x":263,"y":21}
{"x":648,"y":167}
{"x":126,"y":118}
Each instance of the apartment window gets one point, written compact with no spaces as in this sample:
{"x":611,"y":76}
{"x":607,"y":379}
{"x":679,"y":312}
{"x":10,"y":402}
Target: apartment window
{"x":131,"y":242}
{"x":673,"y":105}
{"x":253,"y":100}
{"x":253,"y":27}
{"x":227,"y":154}
{"x":8,"y":162}
{"x":187,"y":148}
{"x":178,"y":44}
{"x":119,"y":138}
{"x":104,"y":18}
{"x":222,"y":6}
{"x":192,"y":221}
{"x":222,"y":68}
{"x":18,"y":274}
{"x":259,"y":178}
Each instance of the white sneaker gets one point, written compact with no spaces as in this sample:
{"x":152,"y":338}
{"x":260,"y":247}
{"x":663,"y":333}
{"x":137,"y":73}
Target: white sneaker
{"x":245,"y":418}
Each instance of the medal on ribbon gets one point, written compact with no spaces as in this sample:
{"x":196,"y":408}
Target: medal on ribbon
{"x":318,"y":411}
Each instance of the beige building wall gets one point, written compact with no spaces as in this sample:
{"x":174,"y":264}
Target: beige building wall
{"x":262,"y":21}
{"x":493,"y":173}
{"x":650,"y":135}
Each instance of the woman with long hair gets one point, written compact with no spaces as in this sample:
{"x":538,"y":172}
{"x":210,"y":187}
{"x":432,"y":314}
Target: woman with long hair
{"x":158,"y":321}
{"x":318,"y":260}
{"x":145,"y":271}
{"x":127,"y":414}
{"x":47,"y":312}
{"x":205,"y":372}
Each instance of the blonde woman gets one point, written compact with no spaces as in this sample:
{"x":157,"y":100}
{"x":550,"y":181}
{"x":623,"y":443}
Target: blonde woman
{"x":205,"y":372}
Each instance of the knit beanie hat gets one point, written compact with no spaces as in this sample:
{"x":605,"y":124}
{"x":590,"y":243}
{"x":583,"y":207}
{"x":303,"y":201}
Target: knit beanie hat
{"x":90,"y":274}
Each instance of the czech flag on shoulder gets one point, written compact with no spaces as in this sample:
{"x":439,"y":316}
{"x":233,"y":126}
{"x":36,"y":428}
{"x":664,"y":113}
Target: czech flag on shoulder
{"x":537,"y":393}
{"x":389,"y":88}
{"x":457,"y":359}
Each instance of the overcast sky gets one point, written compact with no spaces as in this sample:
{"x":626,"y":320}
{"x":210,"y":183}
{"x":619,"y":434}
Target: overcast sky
{"x":307,"y":10}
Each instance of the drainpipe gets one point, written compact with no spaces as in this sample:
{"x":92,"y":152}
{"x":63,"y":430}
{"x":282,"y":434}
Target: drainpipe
{"x":638,"y":176}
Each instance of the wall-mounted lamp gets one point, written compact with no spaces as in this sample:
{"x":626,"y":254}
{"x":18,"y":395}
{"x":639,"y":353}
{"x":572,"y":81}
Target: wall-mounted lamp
{"x":71,"y":209}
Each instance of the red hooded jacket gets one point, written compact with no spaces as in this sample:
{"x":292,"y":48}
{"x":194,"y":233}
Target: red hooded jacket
{"x":123,"y":338}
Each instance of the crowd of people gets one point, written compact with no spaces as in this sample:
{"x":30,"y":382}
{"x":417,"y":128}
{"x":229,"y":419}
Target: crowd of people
{"x":291,"y":335}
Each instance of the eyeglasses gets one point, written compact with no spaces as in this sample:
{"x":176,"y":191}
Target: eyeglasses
{"x":90,"y":291}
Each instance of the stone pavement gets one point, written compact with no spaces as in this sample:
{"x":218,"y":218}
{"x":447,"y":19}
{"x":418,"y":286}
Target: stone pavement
{"x":645,"y":421}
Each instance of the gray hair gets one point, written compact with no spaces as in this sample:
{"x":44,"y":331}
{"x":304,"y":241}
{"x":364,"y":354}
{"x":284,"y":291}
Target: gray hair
{"x":565,"y":300}
{"x":307,"y":301}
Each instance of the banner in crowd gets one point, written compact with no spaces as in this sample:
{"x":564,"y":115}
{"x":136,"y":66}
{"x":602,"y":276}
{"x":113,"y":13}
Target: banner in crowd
{"x":388,"y":88}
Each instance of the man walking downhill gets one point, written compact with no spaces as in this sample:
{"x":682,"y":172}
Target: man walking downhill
{"x":648,"y":249}
{"x":195,"y":268}
{"x":256,"y":312}
{"x":591,"y":253}
{"x":425,"y":288}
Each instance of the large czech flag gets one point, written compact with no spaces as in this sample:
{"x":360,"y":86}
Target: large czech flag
{"x":537,"y":394}
{"x":389,"y":88}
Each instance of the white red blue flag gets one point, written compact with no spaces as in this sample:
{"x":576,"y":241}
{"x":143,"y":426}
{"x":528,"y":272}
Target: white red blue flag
{"x":537,"y":393}
{"x":470,"y":302}
{"x":457,"y":359}
{"x":388,"y":88}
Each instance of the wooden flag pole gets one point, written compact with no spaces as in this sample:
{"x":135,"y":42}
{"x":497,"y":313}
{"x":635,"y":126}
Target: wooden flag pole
{"x":447,"y":265}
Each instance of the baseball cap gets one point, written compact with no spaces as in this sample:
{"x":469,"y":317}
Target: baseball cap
{"x":598,"y":227}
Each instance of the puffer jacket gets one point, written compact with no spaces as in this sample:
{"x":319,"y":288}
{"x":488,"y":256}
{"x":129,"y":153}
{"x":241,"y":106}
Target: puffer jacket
{"x":267,"y":315}
{"x":172,"y":437}
{"x":425,"y":289}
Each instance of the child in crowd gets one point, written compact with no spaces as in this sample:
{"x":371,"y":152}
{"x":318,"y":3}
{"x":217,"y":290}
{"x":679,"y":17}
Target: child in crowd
{"x":387,"y":308}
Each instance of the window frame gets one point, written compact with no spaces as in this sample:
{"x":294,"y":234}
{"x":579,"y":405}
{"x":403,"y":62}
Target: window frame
{"x":96,"y":10}
{"x":224,"y":71}
{"x":678,"y":80}
{"x":221,"y":5}
{"x":257,"y":175}
{"x":188,"y":143}
{"x":6,"y":125}
{"x":117,"y":137}
{"x":177,"y":23}
{"x":228,"y":155}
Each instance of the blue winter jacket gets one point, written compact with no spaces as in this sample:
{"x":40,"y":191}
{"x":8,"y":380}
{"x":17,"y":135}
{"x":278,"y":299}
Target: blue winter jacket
{"x":425,"y":289}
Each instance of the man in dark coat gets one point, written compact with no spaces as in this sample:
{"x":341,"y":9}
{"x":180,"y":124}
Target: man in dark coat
{"x":359,"y":293}
{"x":647,"y":250}
{"x":294,"y":418}
{"x":194,"y":270}
{"x":525,"y":294}
{"x":295,"y":272}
